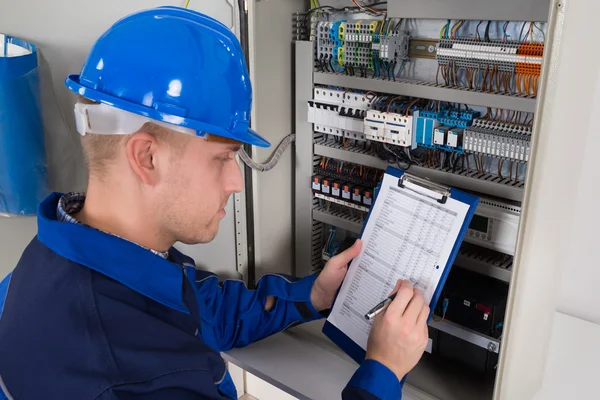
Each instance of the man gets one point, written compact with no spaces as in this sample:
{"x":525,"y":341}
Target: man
{"x":101,"y":306}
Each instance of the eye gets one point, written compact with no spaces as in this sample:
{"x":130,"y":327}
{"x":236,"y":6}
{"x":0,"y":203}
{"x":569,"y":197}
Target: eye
{"x":227,"y":158}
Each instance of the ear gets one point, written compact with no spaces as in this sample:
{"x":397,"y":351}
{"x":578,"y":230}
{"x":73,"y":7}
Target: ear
{"x":142,"y":150}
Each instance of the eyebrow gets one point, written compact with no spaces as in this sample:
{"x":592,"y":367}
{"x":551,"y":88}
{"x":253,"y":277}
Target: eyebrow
{"x":235,"y":148}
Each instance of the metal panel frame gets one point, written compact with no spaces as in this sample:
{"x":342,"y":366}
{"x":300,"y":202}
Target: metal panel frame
{"x":504,"y":10}
{"x":466,"y":334}
{"x":304,"y":155}
{"x":545,"y":218}
{"x":428,"y":90}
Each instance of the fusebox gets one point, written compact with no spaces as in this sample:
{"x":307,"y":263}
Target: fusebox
{"x":475,"y":301}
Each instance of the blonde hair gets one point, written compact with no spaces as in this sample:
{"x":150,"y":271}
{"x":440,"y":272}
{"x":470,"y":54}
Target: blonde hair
{"x":100,"y":150}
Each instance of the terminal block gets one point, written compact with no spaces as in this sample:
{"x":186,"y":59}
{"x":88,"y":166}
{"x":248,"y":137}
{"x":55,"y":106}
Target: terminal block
{"x":465,"y":53}
{"x":492,"y":66}
{"x":512,"y":142}
{"x":394,"y":48}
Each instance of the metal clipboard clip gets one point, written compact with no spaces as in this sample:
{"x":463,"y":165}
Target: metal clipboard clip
{"x":434,"y":187}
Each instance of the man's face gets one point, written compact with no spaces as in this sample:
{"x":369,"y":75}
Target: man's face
{"x":200,"y":178}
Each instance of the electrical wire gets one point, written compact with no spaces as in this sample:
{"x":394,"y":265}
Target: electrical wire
{"x":542,"y":32}
{"x":187,"y":3}
{"x":273,"y":159}
{"x":521,"y":38}
{"x":445,"y":29}
{"x":504,"y":36}
{"x":487,"y":31}
{"x":477,"y":30}
{"x":363,"y":8}
{"x":456,"y":27}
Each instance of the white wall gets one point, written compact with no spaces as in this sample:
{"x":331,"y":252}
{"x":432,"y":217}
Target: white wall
{"x":579,"y":292}
{"x":64,"y":31}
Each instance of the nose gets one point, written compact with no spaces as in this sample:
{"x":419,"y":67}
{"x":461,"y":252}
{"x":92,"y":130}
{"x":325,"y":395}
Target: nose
{"x":235,"y":181}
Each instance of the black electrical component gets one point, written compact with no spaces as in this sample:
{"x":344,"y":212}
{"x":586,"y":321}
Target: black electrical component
{"x":326,"y":187}
{"x":347,"y":192}
{"x":357,"y":195}
{"x":316,"y":183}
{"x":367,"y":197}
{"x":474,"y":301}
{"x":336,"y":189}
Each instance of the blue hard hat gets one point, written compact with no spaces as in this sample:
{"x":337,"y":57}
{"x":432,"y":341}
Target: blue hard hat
{"x":173,"y":65}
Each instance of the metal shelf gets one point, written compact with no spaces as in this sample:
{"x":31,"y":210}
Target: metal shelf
{"x":340,"y":219}
{"x":487,"y":184}
{"x":485,"y":261}
{"x":466,"y":334}
{"x":427,"y":90}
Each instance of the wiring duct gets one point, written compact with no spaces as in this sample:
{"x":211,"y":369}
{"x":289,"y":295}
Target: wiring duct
{"x":272,"y":160}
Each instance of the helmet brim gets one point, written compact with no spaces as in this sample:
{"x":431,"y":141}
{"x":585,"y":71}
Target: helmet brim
{"x":248,"y":136}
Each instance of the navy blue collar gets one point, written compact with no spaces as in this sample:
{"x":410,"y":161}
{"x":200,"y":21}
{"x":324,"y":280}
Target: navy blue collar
{"x":119,"y":259}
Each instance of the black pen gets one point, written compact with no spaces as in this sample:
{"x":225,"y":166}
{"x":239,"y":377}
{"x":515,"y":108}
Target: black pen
{"x":380,"y":307}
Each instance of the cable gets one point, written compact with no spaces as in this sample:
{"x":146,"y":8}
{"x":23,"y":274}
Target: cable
{"x":504,"y":36}
{"x":445,"y":30}
{"x":477,"y":30}
{"x":445,"y":304}
{"x":365,"y":8}
{"x":187,"y":3}
{"x":356,"y":8}
{"x":456,"y":27}
{"x":522,"y":30}
{"x":273,"y":159}
{"x":539,"y":29}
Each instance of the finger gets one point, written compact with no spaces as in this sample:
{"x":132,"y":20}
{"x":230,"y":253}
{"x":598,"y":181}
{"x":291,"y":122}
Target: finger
{"x":405,"y":293}
{"x":342,"y":259}
{"x":423,"y":315}
{"x":397,"y":287}
{"x":414,"y":307}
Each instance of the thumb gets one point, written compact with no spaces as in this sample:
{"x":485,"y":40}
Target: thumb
{"x":346,"y":256}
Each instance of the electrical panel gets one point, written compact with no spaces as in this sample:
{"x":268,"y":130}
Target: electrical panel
{"x":450,"y":100}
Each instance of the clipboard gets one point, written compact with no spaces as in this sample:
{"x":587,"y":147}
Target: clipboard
{"x":336,"y":335}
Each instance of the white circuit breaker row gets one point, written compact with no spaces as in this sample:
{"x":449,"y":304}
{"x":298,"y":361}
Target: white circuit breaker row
{"x":347,"y":114}
{"x":337,"y":120}
{"x":338,"y":113}
{"x":396,"y":129}
{"x":497,"y":143}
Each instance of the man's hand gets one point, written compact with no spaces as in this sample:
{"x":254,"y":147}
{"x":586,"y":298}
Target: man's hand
{"x":399,"y":334}
{"x":329,"y":281}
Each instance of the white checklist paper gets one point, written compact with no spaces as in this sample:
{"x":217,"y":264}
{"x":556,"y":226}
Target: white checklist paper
{"x":409,"y":235}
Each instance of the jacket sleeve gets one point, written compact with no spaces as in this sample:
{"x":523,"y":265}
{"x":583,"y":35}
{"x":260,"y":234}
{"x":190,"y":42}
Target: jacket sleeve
{"x":373,"y":381}
{"x":234,"y":316}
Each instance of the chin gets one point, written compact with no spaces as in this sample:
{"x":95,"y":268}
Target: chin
{"x":209,"y":234}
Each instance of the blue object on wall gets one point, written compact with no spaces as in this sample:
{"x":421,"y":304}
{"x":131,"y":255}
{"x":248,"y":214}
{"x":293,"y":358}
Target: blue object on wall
{"x":23,"y":168}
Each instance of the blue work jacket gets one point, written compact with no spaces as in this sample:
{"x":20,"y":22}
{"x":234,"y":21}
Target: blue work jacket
{"x":88,"y":315}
